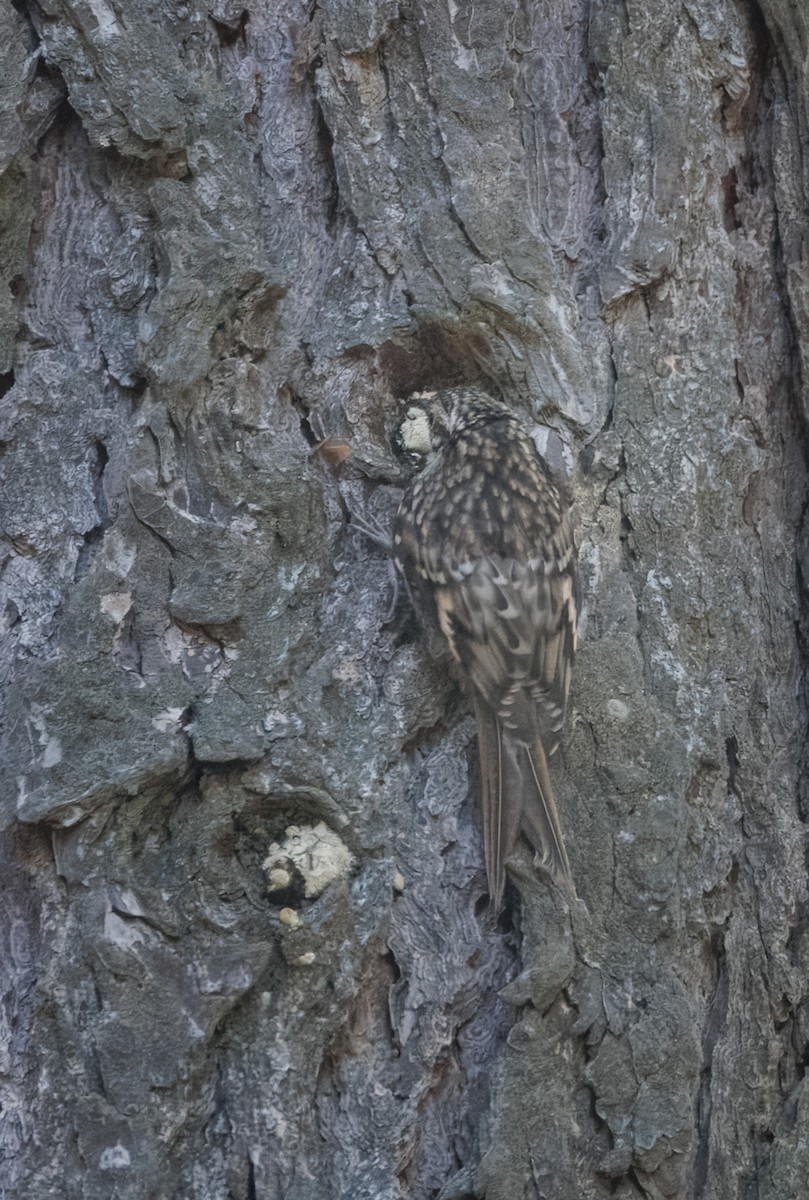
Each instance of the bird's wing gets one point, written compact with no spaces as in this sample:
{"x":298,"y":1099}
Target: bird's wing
{"x":512,"y":628}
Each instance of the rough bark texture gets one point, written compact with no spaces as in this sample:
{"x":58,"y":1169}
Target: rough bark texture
{"x":229,"y":233}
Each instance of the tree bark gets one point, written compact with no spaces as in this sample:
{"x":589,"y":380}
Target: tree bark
{"x":246,"y":951}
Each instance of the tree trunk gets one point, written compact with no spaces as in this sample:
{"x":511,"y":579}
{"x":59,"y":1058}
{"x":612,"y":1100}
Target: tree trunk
{"x":246,"y":951}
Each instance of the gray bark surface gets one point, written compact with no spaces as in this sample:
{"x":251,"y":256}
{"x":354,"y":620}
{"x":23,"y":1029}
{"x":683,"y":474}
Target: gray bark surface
{"x":229,"y":233}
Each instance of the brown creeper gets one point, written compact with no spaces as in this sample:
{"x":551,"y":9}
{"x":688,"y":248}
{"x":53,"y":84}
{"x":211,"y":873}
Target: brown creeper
{"x":485,"y":541}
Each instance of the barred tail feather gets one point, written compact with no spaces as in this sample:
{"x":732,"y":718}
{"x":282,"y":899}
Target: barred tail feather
{"x":540,"y":818}
{"x":500,"y":796}
{"x":517,"y":796}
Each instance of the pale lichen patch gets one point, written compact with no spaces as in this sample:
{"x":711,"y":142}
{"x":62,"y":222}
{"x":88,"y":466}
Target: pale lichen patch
{"x":315,"y":851}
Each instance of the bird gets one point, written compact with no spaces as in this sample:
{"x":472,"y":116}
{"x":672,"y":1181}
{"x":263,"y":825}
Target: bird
{"x":484,"y":539}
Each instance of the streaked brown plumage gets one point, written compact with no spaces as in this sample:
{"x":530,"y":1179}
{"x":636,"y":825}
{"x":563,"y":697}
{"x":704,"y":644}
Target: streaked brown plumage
{"x":484,"y":538}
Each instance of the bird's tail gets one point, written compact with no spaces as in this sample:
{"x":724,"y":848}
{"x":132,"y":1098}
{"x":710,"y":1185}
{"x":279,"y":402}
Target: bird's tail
{"x":517,"y":796}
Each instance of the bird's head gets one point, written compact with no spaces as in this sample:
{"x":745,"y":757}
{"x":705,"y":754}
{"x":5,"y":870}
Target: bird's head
{"x":433,"y":417}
